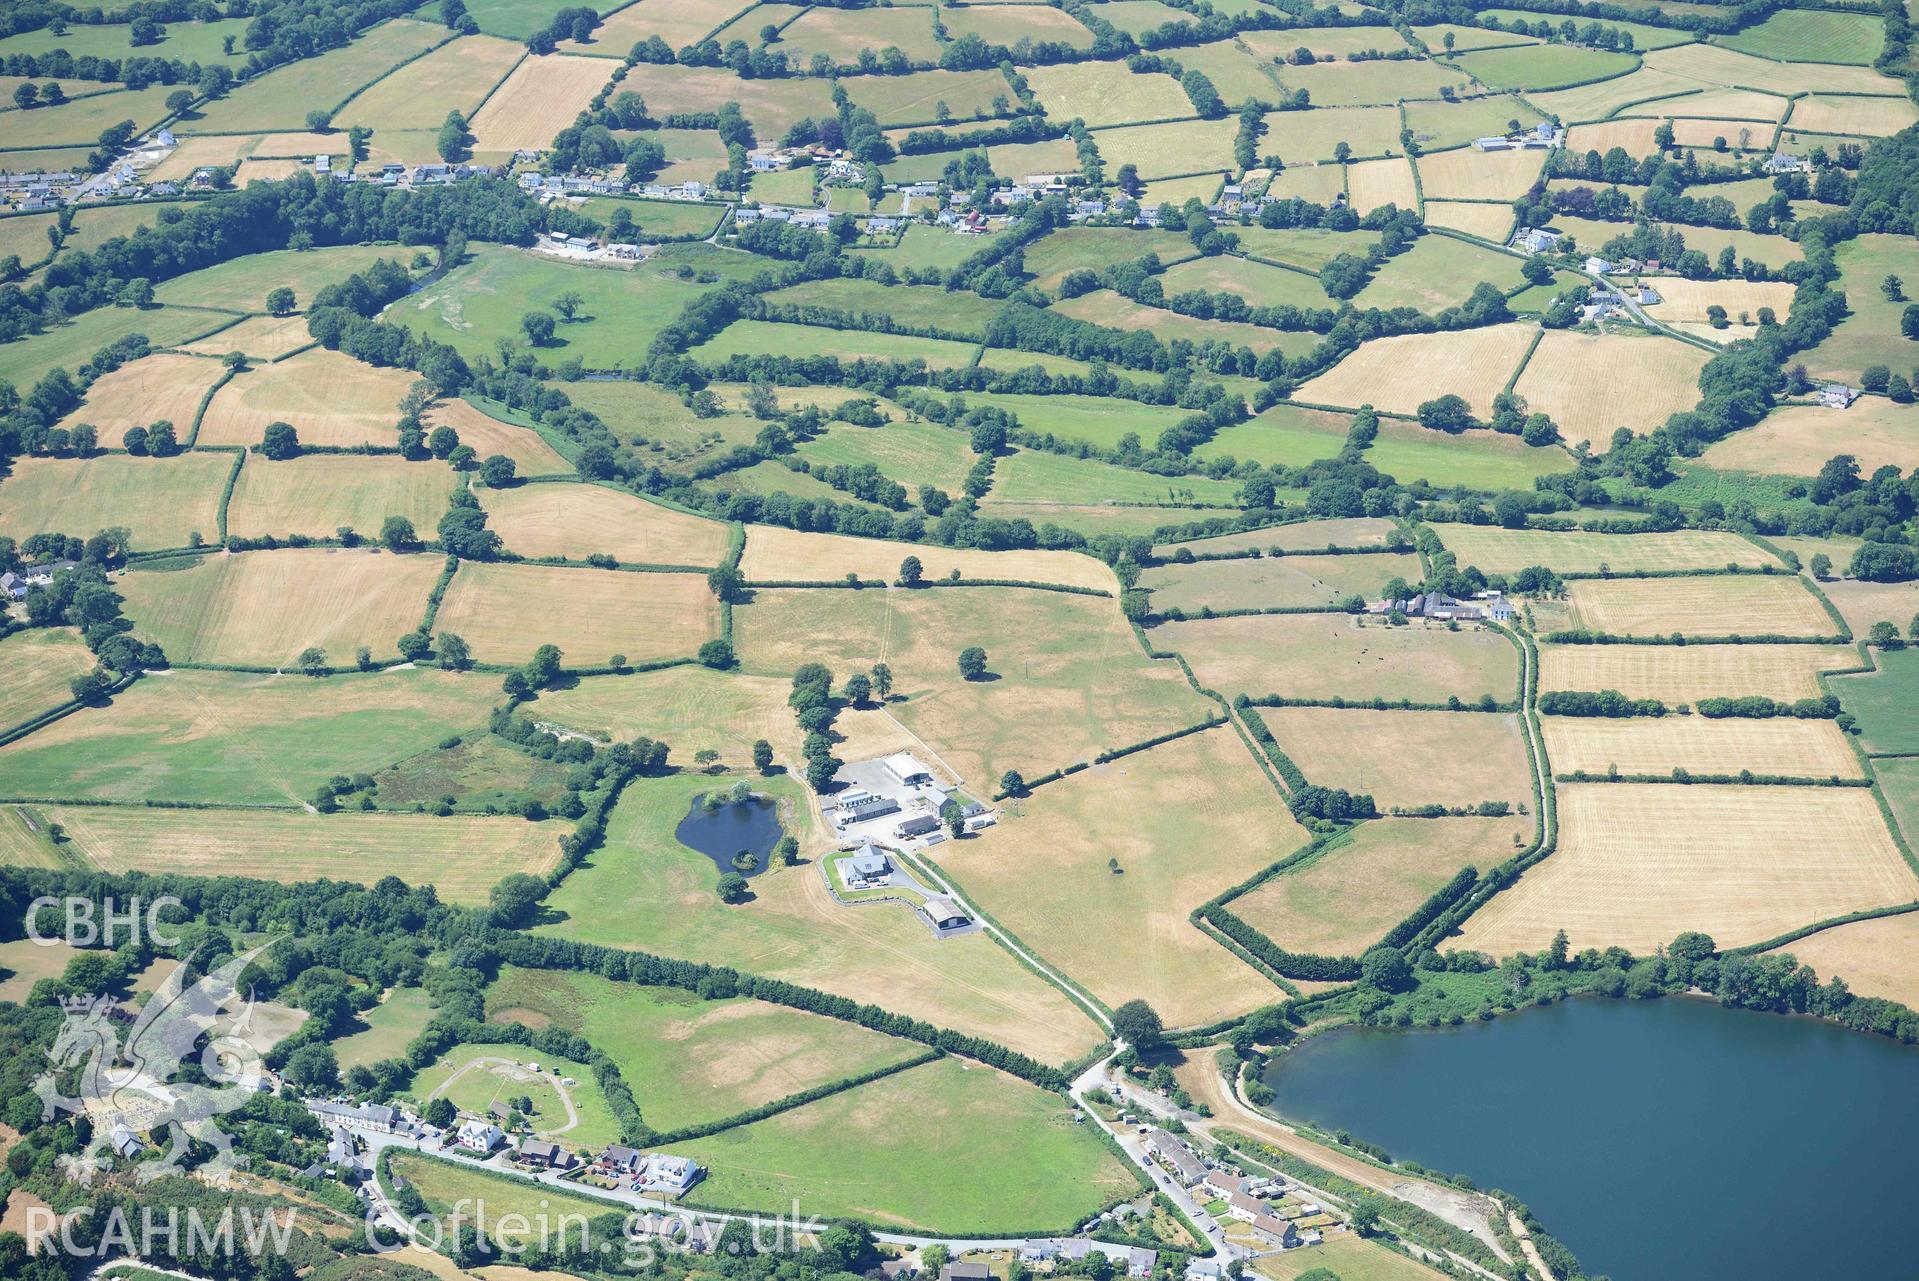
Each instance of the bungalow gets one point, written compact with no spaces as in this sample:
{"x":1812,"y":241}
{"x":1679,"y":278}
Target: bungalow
{"x":672,"y":1175}
{"x":858,"y":805}
{"x":479,"y":1136}
{"x":1140,"y":1261}
{"x":918,"y":825}
{"x":1837,"y":396}
{"x":903,"y":766}
{"x":943,"y":914}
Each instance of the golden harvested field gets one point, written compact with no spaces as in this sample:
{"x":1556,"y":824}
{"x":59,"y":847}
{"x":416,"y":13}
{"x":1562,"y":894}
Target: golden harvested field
{"x":1393,"y":755}
{"x":1659,"y":745}
{"x":1359,"y":84}
{"x":1741,"y":135}
{"x":1505,"y":551}
{"x":1599,"y":100}
{"x":1862,"y":604}
{"x":1871,"y":117}
{"x":1876,"y":958}
{"x":1303,"y":136}
{"x":1299,"y":536}
{"x":462,"y":857}
{"x":1727,"y":605}
{"x":773,"y":105}
{"x":1069,"y":681}
{"x":456,"y":77}
{"x":1592,"y":384}
{"x":1728,"y":105}
{"x":1335,"y":656}
{"x":505,"y":612}
{"x":1638,"y":863}
{"x":251,"y":170}
{"x":264,"y":608}
{"x":192,"y":154}
{"x":329,"y":398}
{"x":1676,"y":674}
{"x":530,"y":453}
{"x":1489,"y":222}
{"x":318,"y":495}
{"x":1469,"y":174}
{"x":692,"y":708}
{"x":1796,"y":440}
{"x":1397,"y":374}
{"x":1344,"y":900}
{"x":260,"y":337}
{"x":1730,"y":69}
{"x":1104,"y":307}
{"x":576,"y":521}
{"x":774,"y":555}
{"x":538,"y":100}
{"x":1371,"y":184}
{"x":145,"y":391}
{"x":1325,"y":42}
{"x":1274,"y":581}
{"x":162,"y":501}
{"x":39,"y":662}
{"x":1682,"y":299}
{"x":1106,"y":93}
{"x":678,"y":22}
{"x":1184,"y":821}
{"x":1634,"y":136}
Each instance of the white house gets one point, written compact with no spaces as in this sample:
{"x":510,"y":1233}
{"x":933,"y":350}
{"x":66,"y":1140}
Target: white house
{"x":479,"y":1136}
{"x":1598,"y":267}
{"x":672,"y":1175}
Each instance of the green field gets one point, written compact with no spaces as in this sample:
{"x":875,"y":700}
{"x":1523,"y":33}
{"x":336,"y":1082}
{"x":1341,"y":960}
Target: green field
{"x":1098,"y":420}
{"x":477,"y":1075}
{"x":480,"y":774}
{"x":1883,"y":702}
{"x":1274,"y":581}
{"x":80,"y":120}
{"x":1293,"y":437}
{"x":1307,"y":248}
{"x":917,"y":98}
{"x":1095,"y":248}
{"x":481,"y":302}
{"x":913,"y":454}
{"x":39,"y":662}
{"x":1033,"y":476}
{"x":962,"y":315}
{"x":1550,"y":66}
{"x":161,"y":501}
{"x":1436,"y":273}
{"x":445,"y":1184}
{"x":1644,"y":35}
{"x":760,"y":337}
{"x":1450,"y":124}
{"x":233,"y":737}
{"x":1259,"y":284}
{"x":1870,"y":334}
{"x":691,"y":1061}
{"x":1803,"y":35}
{"x":281,"y":98}
{"x":383,"y":1031}
{"x":662,"y":219}
{"x":25,"y":361}
{"x":888,"y":1153}
{"x":187,"y":41}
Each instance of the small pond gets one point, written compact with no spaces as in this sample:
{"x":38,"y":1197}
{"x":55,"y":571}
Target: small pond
{"x":722,"y":832}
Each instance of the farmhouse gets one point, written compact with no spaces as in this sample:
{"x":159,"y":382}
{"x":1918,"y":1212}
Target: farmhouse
{"x":1837,"y":396}
{"x":479,"y":1136}
{"x":1785,"y":162}
{"x":1279,"y":1232}
{"x":1536,"y":240}
{"x":869,"y":865}
{"x":1600,"y":267}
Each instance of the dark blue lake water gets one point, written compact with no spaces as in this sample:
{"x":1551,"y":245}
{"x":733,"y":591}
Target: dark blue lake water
{"x":721,"y":833}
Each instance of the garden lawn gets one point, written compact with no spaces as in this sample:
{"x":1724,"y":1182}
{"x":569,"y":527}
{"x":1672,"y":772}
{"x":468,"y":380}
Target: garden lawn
{"x":886,"y":1153}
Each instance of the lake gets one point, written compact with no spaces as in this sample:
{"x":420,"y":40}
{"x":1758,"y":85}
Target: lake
{"x":752,"y":825}
{"x":1664,"y":1140}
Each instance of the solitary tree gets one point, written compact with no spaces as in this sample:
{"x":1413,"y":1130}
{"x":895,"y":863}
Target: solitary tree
{"x":910,"y":572}
{"x":454,"y":652}
{"x":732,"y":888}
{"x":497,"y":471}
{"x":882,"y":680}
{"x":280,"y":301}
{"x":1012,"y":783}
{"x":313,"y":661}
{"x":717,"y":654}
{"x":972,"y":662}
{"x":1138,"y":1024}
{"x":762,"y":755}
{"x":568,"y":304}
{"x":280,"y":442}
{"x":539,"y":327}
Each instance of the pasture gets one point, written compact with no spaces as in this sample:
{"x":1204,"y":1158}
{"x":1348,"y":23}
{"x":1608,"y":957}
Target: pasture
{"x":1034,"y":476}
{"x":242,"y":284}
{"x":1870,"y":334}
{"x":1883,"y":700}
{"x":1104,"y":307}
{"x":1049,"y":259}
{"x":965,"y":315}
{"x":539,"y":98}
{"x":773,"y":105}
{"x":1689,"y":300}
{"x":643,"y":883}
{"x":1467,"y":173}
{"x":79,"y":120}
{"x":678,"y":22}
{"x":1871,"y":117}
{"x":1392,"y":755}
{"x":39,"y":662}
{"x":1361,"y":84}
{"x":917,"y":98}
{"x":842,"y":34}
{"x":1876,"y":958}
{"x":1317,"y":183}
{"x":576,"y":521}
{"x":774,"y":555}
{"x":460,"y":857}
{"x":319,"y":495}
{"x":1067,"y":680}
{"x":1545,"y":67}
{"x":161,"y":502}
{"x":1106,"y":93}
{"x":1007,"y":24}
{"x":488,"y":435}
{"x":912,"y":453}
{"x":1342,"y":656}
{"x":1638,"y":745}
{"x":1451,"y":124}
{"x":457,"y":76}
{"x":264,"y":608}
{"x":281,"y":98}
{"x":1345,"y":900}
{"x":1301,"y":535}
{"x":1398,"y":374}
{"x":1739,"y":863}
{"x":1863,"y":603}
{"x":505,"y":612}
{"x":1506,"y":551}
{"x":385,"y":1030}
{"x":330,"y":399}
{"x":691,"y":707}
{"x":1373,"y":184}
{"x":757,"y":337}
{"x":688,"y":1060}
{"x":1686,"y":674}
{"x":1238,"y":74}
{"x":1305,"y":248}
{"x":886,"y":1152}
{"x":1480,"y":460}
{"x":1182,"y":821}
{"x":1487,"y":221}
{"x":1101,"y":421}
{"x":1438,"y":272}
{"x":1257,"y":283}
{"x":1604,"y":98}
{"x":1731,"y":69}
{"x":25,"y":361}
{"x":1745,"y":604}
{"x":1171,"y":148}
{"x":672,"y":219}
{"x":190,"y":41}
{"x":1274,"y":582}
{"x":1811,"y":36}
{"x":257,"y":337}
{"x":1593,"y":384}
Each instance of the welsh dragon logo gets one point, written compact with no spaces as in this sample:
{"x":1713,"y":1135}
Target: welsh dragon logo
{"x":133,"y":1085}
